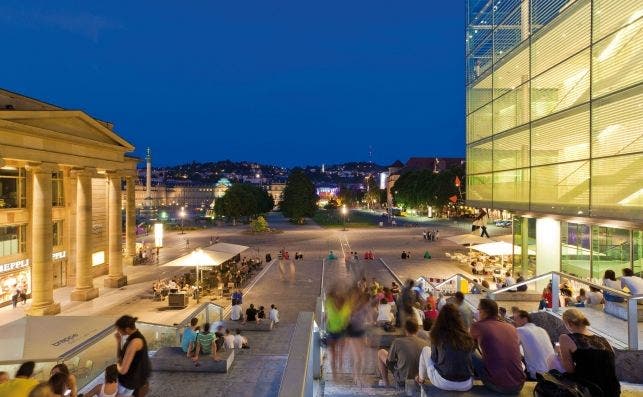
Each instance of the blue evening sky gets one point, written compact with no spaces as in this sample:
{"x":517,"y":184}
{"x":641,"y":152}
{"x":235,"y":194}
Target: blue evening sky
{"x":283,"y":82}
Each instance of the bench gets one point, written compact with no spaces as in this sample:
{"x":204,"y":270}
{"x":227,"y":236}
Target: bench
{"x":264,"y":325}
{"x":173,"y":359}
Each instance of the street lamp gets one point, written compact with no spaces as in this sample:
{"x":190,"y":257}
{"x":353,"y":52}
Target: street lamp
{"x":182,"y":215}
{"x":344,"y":213}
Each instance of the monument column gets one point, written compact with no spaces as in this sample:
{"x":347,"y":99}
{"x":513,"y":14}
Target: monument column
{"x":130,"y":219}
{"x":42,"y":275}
{"x":85,"y":289}
{"x":115,"y":278}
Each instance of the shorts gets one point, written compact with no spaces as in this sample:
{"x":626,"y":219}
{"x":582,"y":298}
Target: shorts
{"x":334,"y":335}
{"x":124,"y":391}
{"x":355,"y":333}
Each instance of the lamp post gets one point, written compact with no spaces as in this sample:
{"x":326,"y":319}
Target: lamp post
{"x":344,"y":213}
{"x":182,"y":215}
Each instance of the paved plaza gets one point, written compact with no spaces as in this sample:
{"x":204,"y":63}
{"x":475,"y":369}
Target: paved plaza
{"x":258,"y":370}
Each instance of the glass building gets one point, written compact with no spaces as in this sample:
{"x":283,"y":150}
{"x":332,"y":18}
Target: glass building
{"x":554,"y":116}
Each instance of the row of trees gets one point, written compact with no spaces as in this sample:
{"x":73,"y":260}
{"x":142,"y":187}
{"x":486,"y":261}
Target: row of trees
{"x":417,"y":189}
{"x":242,"y":200}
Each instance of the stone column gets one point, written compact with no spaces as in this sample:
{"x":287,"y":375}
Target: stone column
{"x":130,"y":220}
{"x":42,"y":275}
{"x":85,"y":289}
{"x":115,"y":278}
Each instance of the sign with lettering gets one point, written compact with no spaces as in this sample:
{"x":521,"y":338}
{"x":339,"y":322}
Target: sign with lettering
{"x":59,"y":255}
{"x":8,"y":267}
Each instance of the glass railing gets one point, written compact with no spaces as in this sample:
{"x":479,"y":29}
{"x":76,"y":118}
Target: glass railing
{"x":89,"y":359}
{"x":623,"y":334}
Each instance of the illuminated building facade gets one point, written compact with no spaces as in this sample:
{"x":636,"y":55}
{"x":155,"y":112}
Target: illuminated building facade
{"x":61,"y":177}
{"x":554,"y":116}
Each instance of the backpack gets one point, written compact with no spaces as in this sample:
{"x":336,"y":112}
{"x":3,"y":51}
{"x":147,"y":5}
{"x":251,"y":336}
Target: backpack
{"x":556,"y":384}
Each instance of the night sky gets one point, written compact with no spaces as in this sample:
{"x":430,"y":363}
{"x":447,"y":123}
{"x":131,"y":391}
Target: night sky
{"x":280,"y":82}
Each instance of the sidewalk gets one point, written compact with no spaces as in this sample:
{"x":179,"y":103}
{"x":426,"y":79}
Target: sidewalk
{"x":139,"y":279}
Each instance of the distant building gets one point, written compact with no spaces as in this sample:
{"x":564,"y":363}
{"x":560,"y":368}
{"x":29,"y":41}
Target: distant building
{"x":276,"y":191}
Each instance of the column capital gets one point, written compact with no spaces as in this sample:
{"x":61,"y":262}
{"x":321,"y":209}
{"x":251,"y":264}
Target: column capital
{"x":111,"y":174}
{"x":128,"y":173}
{"x":83,"y":171}
{"x":41,"y":167}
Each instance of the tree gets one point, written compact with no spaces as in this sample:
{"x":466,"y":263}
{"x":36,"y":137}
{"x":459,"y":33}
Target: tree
{"x":299,"y":197}
{"x":259,"y":225}
{"x":372,"y":195}
{"x":417,"y":189}
{"x":243,"y":200}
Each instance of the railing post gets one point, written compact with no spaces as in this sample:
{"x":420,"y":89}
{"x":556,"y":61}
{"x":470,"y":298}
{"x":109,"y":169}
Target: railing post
{"x":316,"y":355}
{"x":632,"y":324}
{"x":555,"y":292}
{"x":457,"y":282}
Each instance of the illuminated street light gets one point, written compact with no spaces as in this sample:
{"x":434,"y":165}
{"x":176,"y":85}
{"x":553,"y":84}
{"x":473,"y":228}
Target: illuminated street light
{"x":182,"y":215}
{"x":344,"y":213}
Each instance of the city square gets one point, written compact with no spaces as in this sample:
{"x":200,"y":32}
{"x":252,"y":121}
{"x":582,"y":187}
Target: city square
{"x":287,"y":200}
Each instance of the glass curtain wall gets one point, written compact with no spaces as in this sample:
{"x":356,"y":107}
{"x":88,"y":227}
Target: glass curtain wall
{"x":554,"y":89}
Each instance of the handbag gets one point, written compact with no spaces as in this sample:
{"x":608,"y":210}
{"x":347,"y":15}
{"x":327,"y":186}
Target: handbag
{"x":556,"y":384}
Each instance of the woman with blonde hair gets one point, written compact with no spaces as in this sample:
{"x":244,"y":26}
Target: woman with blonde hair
{"x":587,"y":357}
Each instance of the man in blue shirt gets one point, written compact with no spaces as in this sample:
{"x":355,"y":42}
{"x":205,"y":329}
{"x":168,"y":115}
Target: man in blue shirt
{"x":189,"y":335}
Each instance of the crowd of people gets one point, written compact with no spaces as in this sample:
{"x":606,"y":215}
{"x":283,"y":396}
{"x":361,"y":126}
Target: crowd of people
{"x":128,"y":376}
{"x":252,"y":313}
{"x":199,"y":341}
{"x":448,"y":344}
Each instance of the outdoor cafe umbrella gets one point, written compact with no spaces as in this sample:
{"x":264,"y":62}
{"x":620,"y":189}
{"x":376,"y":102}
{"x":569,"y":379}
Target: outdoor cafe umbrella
{"x":197,"y":259}
{"x":500,"y":248}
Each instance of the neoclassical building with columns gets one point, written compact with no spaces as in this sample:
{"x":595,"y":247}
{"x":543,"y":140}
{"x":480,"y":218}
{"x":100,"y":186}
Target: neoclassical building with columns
{"x":62,"y":173}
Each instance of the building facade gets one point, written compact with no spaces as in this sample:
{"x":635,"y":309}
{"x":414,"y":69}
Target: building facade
{"x":61,"y":177}
{"x":555,"y":128}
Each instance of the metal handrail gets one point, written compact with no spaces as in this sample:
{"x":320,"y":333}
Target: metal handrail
{"x":612,"y":291}
{"x":555,"y":276}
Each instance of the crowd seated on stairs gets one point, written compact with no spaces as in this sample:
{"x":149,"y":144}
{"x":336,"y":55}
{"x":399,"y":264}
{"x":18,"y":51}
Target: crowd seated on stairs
{"x":439,"y":340}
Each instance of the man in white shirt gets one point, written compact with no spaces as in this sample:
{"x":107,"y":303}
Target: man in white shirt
{"x":273,"y":315}
{"x":536,"y":345}
{"x":228,"y":340}
{"x":240,"y":341}
{"x":509,"y":281}
{"x":236,"y":312}
{"x":633,"y":283}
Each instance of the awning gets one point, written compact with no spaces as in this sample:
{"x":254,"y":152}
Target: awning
{"x":49,"y":338}
{"x":213,"y":255}
{"x":500,"y":248}
{"x":468,"y":239}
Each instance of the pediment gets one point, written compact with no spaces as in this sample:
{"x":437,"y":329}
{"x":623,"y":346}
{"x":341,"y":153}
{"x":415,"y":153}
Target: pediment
{"x":69,"y":123}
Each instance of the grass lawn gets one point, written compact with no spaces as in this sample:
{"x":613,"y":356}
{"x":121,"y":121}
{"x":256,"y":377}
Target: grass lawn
{"x":334,"y":218}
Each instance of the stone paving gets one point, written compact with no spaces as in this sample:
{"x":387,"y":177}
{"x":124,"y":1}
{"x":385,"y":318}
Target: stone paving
{"x":258,"y":371}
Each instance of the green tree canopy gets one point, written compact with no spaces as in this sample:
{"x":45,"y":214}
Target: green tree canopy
{"x":415,"y":189}
{"x":299,"y":197}
{"x":243,"y":200}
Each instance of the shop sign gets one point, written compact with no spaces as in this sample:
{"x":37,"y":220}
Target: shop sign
{"x":7,"y":267}
{"x":59,"y":255}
